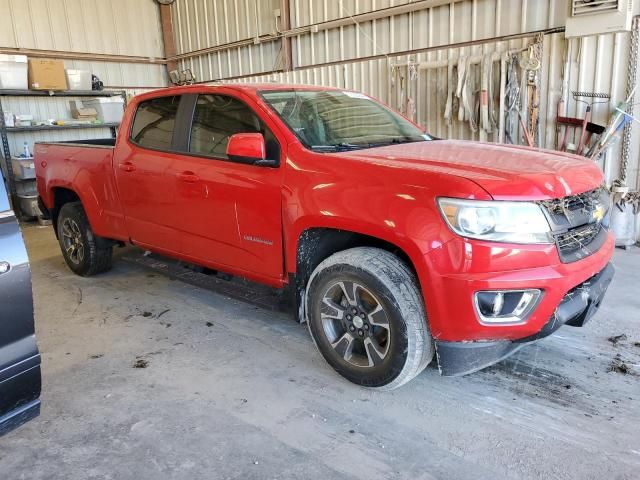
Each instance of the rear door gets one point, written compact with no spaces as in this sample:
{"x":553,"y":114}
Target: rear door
{"x":143,"y":166}
{"x":19,"y":357}
{"x":228,"y":212}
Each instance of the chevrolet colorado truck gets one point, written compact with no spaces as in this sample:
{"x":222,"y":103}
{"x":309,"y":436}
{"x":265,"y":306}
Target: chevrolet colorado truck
{"x":398,"y":246}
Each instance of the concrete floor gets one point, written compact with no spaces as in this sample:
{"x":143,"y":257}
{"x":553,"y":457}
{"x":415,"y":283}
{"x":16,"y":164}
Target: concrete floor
{"x":234,"y":391}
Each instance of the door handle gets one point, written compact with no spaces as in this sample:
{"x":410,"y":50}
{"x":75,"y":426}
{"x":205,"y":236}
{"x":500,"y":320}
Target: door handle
{"x":127,"y":167}
{"x":188,"y":177}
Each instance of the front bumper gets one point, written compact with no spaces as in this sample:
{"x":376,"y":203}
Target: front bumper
{"x":575,"y":309}
{"x":451,"y":274}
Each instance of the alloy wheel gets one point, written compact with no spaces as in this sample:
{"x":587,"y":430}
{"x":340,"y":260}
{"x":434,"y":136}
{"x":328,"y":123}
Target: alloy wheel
{"x":72,"y":240}
{"x":355,"y":324}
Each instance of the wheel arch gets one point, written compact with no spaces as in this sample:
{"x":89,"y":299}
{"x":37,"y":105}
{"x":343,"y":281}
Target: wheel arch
{"x":61,"y":196}
{"x":315,"y":244}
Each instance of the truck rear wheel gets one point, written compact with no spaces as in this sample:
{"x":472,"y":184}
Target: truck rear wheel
{"x":367,"y":318}
{"x":78,"y":243}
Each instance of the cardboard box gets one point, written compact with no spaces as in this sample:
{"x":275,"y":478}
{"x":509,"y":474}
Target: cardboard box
{"x":47,"y":74}
{"x":85,"y":114}
{"x":79,"y":112}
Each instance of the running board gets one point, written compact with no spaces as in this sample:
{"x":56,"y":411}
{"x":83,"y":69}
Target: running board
{"x":268,"y":298}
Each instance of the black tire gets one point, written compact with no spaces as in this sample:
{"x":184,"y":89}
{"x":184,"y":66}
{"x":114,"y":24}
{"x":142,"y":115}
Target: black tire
{"x":399,"y":344}
{"x":78,"y":243}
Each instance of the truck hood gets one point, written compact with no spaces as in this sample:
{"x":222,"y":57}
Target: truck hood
{"x":504,"y":171}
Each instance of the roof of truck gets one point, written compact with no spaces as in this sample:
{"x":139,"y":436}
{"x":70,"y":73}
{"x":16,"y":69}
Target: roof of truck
{"x":244,"y":87}
{"x":275,"y":86}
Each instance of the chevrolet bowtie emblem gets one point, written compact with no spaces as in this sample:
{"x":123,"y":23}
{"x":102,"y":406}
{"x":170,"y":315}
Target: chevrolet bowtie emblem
{"x":598,"y":213}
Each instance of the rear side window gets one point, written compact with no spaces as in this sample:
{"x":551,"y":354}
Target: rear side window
{"x":216,"y":118}
{"x":154,"y":123}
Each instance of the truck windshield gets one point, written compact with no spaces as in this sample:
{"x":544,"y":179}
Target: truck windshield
{"x":333,"y":120}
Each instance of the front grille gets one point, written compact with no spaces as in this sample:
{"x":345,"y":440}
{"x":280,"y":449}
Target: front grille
{"x":579,"y":223}
{"x":577,"y":238}
{"x":575,"y":204}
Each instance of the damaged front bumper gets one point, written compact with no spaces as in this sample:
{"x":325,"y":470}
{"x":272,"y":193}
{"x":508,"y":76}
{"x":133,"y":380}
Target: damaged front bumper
{"x":575,"y":309}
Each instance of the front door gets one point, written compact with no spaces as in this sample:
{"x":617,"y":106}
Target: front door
{"x":229,"y":213}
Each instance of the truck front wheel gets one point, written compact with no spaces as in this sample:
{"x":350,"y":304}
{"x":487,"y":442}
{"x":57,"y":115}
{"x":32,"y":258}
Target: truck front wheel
{"x":367,"y":318}
{"x":78,"y":243}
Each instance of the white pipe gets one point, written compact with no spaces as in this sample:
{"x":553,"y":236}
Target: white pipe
{"x":474,"y":60}
{"x":503,"y":88}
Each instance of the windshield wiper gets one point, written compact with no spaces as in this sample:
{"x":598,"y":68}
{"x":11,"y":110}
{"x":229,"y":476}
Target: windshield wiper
{"x":344,"y":147}
{"x":395,"y":141}
{"x":339,"y":147}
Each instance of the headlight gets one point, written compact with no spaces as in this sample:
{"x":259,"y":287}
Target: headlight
{"x":497,"y":221}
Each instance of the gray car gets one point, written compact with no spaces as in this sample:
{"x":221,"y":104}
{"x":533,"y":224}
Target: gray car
{"x":20,"y":379}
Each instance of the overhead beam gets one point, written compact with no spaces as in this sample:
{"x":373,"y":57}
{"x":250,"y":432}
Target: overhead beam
{"x":86,"y":56}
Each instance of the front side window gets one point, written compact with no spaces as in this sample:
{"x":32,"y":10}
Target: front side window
{"x":216,"y":119}
{"x":154,"y":123}
{"x":333,"y":120}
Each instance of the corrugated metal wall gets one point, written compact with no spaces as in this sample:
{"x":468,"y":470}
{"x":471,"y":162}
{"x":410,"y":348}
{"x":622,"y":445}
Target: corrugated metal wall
{"x":203,"y":23}
{"x":120,"y":27}
{"x":337,"y":55}
{"x":440,"y":25}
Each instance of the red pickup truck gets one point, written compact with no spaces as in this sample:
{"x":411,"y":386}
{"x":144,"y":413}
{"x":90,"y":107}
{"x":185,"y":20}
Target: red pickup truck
{"x":397,"y":245}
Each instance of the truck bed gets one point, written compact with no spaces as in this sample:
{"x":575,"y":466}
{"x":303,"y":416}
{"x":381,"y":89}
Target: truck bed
{"x":75,"y":167}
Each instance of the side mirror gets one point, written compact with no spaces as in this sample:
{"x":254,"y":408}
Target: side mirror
{"x":248,"y":148}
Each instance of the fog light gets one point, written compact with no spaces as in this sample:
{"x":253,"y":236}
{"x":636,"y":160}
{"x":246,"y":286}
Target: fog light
{"x":4,"y":267}
{"x":502,"y":307}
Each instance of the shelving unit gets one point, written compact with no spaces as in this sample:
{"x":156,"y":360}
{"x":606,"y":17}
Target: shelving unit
{"x":6,"y":131}
{"x":67,"y":93}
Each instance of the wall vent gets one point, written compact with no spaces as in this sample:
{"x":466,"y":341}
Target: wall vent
{"x":595,"y":17}
{"x":592,"y":7}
